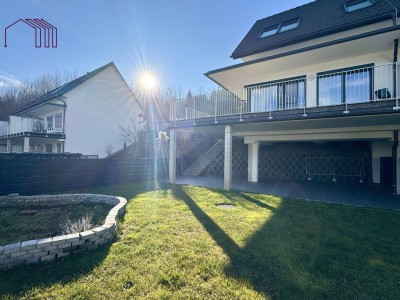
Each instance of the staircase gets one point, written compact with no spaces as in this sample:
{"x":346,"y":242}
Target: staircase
{"x":200,"y":165}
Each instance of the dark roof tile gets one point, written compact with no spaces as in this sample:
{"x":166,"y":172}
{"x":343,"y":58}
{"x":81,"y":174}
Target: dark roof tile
{"x":317,"y":19}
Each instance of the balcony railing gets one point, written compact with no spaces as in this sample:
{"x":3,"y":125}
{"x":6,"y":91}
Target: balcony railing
{"x":19,"y":125}
{"x":342,"y":87}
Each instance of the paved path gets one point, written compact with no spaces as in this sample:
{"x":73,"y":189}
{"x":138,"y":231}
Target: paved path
{"x":367,"y":195}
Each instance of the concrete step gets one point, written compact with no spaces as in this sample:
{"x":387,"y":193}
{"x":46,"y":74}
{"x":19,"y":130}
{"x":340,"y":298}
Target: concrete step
{"x":199,"y":166}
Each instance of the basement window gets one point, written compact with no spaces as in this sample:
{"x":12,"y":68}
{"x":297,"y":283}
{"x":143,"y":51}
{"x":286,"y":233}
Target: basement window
{"x":354,"y":5}
{"x":281,"y":27}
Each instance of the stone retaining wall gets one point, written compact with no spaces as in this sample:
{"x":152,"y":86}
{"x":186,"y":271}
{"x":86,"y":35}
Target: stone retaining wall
{"x":47,"y":249}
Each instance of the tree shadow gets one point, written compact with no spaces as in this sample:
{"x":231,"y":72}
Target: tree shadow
{"x":24,"y":278}
{"x":301,"y":253}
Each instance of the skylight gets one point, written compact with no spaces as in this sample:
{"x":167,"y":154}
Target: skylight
{"x":354,"y":5}
{"x":292,"y":24}
{"x":268,"y":31}
{"x":281,"y":27}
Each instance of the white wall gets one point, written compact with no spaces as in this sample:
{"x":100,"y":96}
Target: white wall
{"x":95,"y":109}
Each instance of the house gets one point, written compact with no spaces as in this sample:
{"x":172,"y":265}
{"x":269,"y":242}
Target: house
{"x":315,"y":96}
{"x":81,"y":116}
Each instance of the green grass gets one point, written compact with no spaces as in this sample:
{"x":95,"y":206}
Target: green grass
{"x":175,"y":243}
{"x":16,"y":226}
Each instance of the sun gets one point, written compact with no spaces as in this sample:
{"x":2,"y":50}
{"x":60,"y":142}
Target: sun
{"x":148,"y":81}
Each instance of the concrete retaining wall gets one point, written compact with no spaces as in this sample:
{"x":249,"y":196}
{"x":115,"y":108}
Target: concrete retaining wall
{"x":35,"y":251}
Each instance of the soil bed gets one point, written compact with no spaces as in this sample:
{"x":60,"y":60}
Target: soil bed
{"x":30,"y":222}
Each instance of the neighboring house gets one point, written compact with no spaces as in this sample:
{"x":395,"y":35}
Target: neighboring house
{"x":316,"y":94}
{"x":81,"y":116}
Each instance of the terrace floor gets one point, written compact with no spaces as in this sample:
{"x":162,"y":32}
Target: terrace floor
{"x":366,"y":195}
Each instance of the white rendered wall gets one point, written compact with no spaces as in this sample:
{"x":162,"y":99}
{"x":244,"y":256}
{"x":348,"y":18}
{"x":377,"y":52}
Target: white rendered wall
{"x":95,"y":109}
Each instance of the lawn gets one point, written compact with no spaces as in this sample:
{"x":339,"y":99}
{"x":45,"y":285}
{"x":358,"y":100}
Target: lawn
{"x":176,"y":243}
{"x":27,"y":223}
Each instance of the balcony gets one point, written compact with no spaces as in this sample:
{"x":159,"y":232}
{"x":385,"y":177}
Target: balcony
{"x":353,"y":91}
{"x":18,"y":126}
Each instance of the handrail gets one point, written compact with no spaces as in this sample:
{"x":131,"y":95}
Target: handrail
{"x":367,"y":83}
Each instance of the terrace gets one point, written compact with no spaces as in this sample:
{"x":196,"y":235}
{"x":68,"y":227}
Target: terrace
{"x":365,"y":90}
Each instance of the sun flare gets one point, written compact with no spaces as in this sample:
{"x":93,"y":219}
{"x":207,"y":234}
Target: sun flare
{"x":148,"y":81}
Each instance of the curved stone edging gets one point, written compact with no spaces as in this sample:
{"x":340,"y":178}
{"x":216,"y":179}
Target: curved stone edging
{"x":48,"y":249}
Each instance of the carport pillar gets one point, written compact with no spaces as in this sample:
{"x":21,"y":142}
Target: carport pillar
{"x":228,"y":158}
{"x":252,"y":162}
{"x":26,"y":144}
{"x":8,"y":145}
{"x":172,"y":157}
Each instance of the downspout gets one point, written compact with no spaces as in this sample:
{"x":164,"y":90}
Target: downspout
{"x":395,"y":60}
{"x":394,"y":160}
{"x":65,"y":105}
{"x":394,"y":14}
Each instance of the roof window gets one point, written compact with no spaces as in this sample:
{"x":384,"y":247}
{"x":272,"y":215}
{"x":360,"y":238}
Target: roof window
{"x":281,"y":27}
{"x":353,"y":5}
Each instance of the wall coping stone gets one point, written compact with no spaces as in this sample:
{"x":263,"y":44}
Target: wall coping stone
{"x":46,"y":249}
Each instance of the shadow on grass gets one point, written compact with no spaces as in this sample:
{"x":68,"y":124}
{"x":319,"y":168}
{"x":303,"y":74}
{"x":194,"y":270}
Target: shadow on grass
{"x":24,"y":278}
{"x":303,"y":252}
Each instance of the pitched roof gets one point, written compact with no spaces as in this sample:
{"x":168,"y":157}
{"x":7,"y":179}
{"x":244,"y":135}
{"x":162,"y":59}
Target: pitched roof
{"x":318,"y":18}
{"x":61,"y":90}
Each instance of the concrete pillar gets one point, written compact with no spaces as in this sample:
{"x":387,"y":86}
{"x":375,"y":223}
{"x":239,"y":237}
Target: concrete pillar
{"x":8,"y":145}
{"x":252,"y":162}
{"x":26,"y":144}
{"x":228,"y":158}
{"x":172,"y":156}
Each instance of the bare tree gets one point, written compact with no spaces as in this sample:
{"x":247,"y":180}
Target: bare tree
{"x":109,"y":149}
{"x":129,"y":134}
{"x":16,"y":96}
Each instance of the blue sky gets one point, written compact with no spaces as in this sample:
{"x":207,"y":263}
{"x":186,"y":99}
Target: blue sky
{"x":179,"y":40}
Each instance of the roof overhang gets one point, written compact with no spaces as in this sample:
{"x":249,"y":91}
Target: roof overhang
{"x":237,"y":76}
{"x":44,"y":108}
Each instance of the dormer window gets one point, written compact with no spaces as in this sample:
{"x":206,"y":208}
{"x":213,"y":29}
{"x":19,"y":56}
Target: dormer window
{"x":289,"y":25}
{"x":353,"y":5}
{"x":268,"y":31}
{"x":281,"y":27}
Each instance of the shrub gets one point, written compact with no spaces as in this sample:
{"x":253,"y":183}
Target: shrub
{"x":82,"y":224}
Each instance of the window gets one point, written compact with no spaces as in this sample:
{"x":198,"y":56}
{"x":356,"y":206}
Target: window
{"x":345,"y":86}
{"x":49,"y":148}
{"x":268,"y":31}
{"x":281,"y":27}
{"x":272,"y":96}
{"x":58,"y":121}
{"x":354,"y":5}
{"x":50,"y":122}
{"x":292,"y":24}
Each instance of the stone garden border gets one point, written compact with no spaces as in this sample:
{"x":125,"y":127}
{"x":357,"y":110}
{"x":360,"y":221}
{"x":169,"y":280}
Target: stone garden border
{"x":48,"y":249}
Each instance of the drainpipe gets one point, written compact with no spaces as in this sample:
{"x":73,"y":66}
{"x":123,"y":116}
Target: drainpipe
{"x":395,"y":60}
{"x":65,"y":105}
{"x":394,"y":159}
{"x":394,"y":14}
